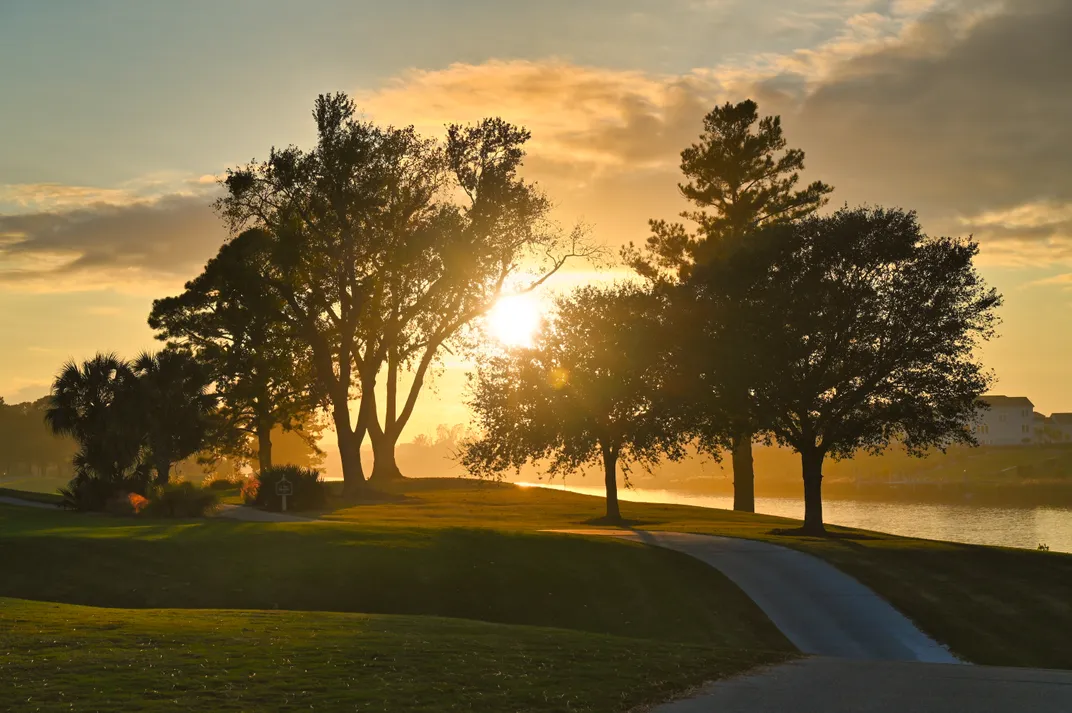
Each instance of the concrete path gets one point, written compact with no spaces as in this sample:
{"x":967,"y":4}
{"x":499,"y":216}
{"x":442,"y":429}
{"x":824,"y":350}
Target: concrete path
{"x":819,"y":608}
{"x":248,"y":514}
{"x":26,"y":503}
{"x":822,"y":685}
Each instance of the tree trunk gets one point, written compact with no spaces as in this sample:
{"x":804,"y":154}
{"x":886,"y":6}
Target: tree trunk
{"x":384,"y":466}
{"x":163,"y":471}
{"x":264,"y":446}
{"x":812,"y":465}
{"x":353,"y":476}
{"x":610,"y":477}
{"x":744,"y":477}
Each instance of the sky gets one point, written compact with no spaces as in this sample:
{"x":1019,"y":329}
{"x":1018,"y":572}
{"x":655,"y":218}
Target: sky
{"x":117,"y":117}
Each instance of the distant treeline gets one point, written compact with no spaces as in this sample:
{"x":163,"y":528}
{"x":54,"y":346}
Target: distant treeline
{"x":27,"y":447}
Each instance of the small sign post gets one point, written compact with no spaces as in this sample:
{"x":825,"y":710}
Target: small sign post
{"x":283,"y":488}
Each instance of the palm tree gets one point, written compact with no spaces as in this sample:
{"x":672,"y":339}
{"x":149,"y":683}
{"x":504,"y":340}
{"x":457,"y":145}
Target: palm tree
{"x":175,"y":404}
{"x":94,"y":403}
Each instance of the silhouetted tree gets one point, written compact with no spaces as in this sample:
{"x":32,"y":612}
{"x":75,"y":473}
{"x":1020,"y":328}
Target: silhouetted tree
{"x":376,"y":265}
{"x":261,"y":373}
{"x":96,"y":404}
{"x":588,"y":392}
{"x":442,"y":275}
{"x":174,"y":406}
{"x":740,"y":176}
{"x":862,"y":331}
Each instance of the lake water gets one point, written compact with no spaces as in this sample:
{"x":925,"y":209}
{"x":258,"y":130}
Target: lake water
{"x":1008,"y":527}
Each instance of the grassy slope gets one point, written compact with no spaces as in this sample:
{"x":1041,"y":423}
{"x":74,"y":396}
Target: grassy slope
{"x":990,"y":605}
{"x":52,"y":498}
{"x":606,"y":587}
{"x":56,"y":655}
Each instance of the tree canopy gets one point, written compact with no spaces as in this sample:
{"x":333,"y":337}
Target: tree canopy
{"x":173,"y":406}
{"x":863,"y":331}
{"x":260,"y":371}
{"x":740,"y":176}
{"x":590,"y":391}
{"x":384,"y":245}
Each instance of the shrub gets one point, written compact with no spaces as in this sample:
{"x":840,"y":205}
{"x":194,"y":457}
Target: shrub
{"x":86,"y":492}
{"x":125,"y":504}
{"x":309,"y":490}
{"x":181,"y":500}
{"x":223,"y":483}
{"x":250,"y":487}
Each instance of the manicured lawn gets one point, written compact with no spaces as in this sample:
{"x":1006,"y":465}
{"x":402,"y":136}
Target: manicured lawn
{"x":57,"y":657}
{"x":52,"y":498}
{"x":600,"y":586}
{"x":990,"y":605}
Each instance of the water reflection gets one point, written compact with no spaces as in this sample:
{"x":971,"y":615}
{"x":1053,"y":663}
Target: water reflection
{"x":1008,"y":527}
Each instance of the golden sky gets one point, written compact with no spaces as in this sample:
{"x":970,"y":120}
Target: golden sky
{"x":124,"y":114}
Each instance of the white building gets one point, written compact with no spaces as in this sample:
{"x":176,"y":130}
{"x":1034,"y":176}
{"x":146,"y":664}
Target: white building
{"x":1010,"y":421}
{"x":1058,"y":428}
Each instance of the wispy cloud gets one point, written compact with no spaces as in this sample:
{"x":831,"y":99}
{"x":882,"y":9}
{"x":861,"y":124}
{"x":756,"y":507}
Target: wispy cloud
{"x":132,"y":247}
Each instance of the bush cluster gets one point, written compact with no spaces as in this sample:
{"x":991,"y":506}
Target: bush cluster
{"x":309,"y":490}
{"x":181,"y":500}
{"x":87,"y":493}
{"x":223,"y":483}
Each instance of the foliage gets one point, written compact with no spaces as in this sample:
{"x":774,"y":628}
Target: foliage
{"x":89,"y":493}
{"x":260,"y":372}
{"x":224,"y":483}
{"x":125,"y":504}
{"x":740,"y":176}
{"x":591,"y":390}
{"x":26,"y":442}
{"x":375,"y":265}
{"x":97,"y":404}
{"x":127,"y":419}
{"x":862,"y":331}
{"x":174,"y":405}
{"x":250,"y":489}
{"x":180,"y":500}
{"x":309,"y":491}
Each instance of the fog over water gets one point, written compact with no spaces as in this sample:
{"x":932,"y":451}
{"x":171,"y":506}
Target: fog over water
{"x":1007,"y":527}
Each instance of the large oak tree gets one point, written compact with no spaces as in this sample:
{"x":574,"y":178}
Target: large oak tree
{"x":384,"y":246}
{"x":862,"y":332}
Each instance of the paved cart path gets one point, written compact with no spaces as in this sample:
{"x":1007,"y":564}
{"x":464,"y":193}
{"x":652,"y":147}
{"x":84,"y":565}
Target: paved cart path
{"x":818,"y":607}
{"x":824,"y":685}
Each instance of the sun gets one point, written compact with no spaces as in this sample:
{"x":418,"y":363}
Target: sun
{"x":515,"y":320}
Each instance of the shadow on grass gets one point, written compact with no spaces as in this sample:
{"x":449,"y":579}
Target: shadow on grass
{"x":826,"y":535}
{"x":619,"y":522}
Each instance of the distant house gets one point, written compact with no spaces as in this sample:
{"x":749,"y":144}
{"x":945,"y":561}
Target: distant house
{"x":1010,"y":421}
{"x":1059,"y":426}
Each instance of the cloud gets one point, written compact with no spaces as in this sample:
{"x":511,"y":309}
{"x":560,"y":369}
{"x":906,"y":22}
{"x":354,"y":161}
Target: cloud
{"x":131,"y":247}
{"x":1063,"y":280}
{"x":22,"y":391}
{"x":37,"y":197}
{"x":961,"y":110}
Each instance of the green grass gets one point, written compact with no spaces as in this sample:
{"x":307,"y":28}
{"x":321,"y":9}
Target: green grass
{"x":990,"y":605}
{"x":32,"y":496}
{"x":600,"y":586}
{"x":642,"y":622}
{"x":60,"y":657}
{"x":34,"y":484}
